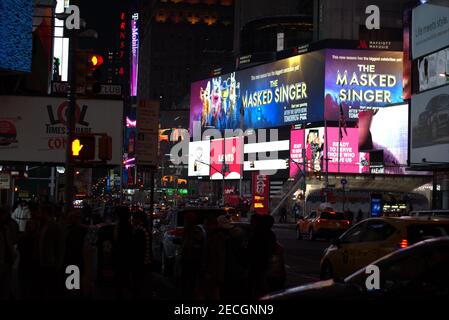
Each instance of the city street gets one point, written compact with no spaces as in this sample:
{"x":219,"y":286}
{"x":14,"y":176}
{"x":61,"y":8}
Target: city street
{"x":302,"y":257}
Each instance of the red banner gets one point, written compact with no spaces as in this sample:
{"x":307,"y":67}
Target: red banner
{"x":261,"y":193}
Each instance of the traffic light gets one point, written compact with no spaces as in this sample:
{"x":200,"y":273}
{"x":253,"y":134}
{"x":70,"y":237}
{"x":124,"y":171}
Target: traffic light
{"x":105,"y":148}
{"x":83,"y":147}
{"x":95,"y":62}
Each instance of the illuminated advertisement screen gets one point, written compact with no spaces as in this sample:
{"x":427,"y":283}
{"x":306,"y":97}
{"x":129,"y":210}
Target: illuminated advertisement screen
{"x":199,"y":158}
{"x":233,"y":158}
{"x":361,"y":80}
{"x":284,"y":92}
{"x":433,"y":69}
{"x":275,"y":94}
{"x":215,"y":102}
{"x":393,"y":142}
{"x":296,"y":147}
{"x":430,"y":126}
{"x":348,"y":161}
{"x":16,"y":26}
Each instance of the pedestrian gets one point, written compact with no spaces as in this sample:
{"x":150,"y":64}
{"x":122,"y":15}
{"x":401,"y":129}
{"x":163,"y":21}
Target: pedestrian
{"x":123,"y":235}
{"x":192,"y":248}
{"x":28,"y":265}
{"x":8,"y":254}
{"x":235,"y":285}
{"x":213,"y":261}
{"x":75,"y":250}
{"x":261,"y":245}
{"x":49,"y":254}
{"x":297,"y":210}
{"x":283,"y":215}
{"x":141,"y":255}
{"x":359,"y":215}
{"x":21,"y":215}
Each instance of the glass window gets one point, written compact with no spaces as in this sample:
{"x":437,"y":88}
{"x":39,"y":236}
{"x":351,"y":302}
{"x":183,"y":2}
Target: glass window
{"x":332,"y":216}
{"x":353,"y":234}
{"x":416,"y":233}
{"x":377,"y":231}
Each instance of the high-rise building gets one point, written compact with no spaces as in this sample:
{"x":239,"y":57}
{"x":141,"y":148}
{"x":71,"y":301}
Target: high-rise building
{"x":182,"y":41}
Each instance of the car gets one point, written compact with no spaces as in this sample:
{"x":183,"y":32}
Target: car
{"x":416,"y":272}
{"x":327,"y":223}
{"x":167,"y":239}
{"x":373,"y":238}
{"x":430,"y":213}
{"x":435,"y":118}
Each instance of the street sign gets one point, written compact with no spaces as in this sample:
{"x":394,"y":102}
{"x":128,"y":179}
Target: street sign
{"x":111,"y":90}
{"x":343,"y":181}
{"x":5,"y":181}
{"x":147,"y":133}
{"x":63,"y":87}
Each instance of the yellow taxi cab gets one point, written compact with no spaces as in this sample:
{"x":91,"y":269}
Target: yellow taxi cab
{"x":373,"y":238}
{"x":322,"y":223}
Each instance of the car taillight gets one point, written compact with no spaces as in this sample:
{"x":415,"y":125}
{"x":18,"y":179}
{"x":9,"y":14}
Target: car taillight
{"x":178,"y":232}
{"x":318,"y":221}
{"x":403,"y":244}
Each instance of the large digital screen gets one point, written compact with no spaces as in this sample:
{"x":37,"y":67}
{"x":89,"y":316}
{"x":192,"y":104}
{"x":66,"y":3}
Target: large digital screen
{"x":199,"y":158}
{"x":231,"y":156}
{"x":284,"y":92}
{"x":296,"y":151}
{"x":392,"y":142}
{"x":361,"y":80}
{"x":368,"y":148}
{"x":16,"y":26}
{"x":430,"y":127}
{"x":215,"y":102}
{"x":433,"y":70}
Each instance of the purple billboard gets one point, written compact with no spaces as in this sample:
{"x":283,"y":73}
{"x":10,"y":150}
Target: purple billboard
{"x":361,"y":80}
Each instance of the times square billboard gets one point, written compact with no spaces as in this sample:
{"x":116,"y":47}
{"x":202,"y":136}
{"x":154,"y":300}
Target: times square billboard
{"x":300,"y":89}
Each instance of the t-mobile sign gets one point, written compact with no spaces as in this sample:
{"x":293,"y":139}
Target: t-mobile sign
{"x":232,"y":157}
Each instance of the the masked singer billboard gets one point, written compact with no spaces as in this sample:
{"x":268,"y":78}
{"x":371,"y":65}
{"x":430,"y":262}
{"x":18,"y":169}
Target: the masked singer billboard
{"x":215,"y":102}
{"x":361,"y":80}
{"x":284,"y":92}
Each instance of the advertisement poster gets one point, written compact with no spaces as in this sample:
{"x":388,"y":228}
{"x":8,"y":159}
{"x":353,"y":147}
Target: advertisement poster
{"x":393,"y":142}
{"x":33,"y":129}
{"x":348,"y":161}
{"x":430,"y":29}
{"x":233,"y":158}
{"x":361,"y":80}
{"x":430,"y":126}
{"x":432,"y":68}
{"x":261,"y":193}
{"x":284,"y":92}
{"x":296,"y":151}
{"x":215,"y":102}
{"x":314,"y":144}
{"x":147,"y":133}
{"x":199,"y":158}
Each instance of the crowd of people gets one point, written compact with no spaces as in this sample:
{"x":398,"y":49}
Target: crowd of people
{"x":222,"y":260}
{"x":38,"y":242}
